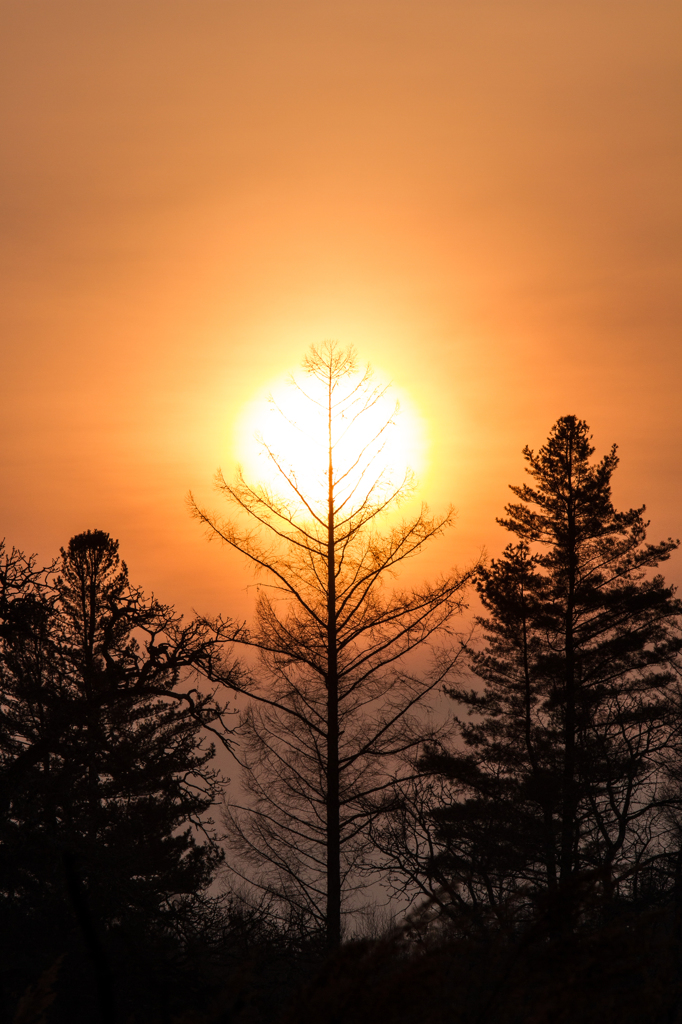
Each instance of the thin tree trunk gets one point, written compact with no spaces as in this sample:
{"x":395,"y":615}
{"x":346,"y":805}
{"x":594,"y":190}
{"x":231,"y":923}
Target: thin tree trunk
{"x":333,"y":780}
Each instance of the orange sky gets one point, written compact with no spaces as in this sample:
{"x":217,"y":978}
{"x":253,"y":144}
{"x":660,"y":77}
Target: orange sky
{"x":482,"y":196}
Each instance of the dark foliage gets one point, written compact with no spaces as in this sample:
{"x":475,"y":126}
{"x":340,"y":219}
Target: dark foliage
{"x":628,"y":970}
{"x":105,"y":843}
{"x":557,"y":787}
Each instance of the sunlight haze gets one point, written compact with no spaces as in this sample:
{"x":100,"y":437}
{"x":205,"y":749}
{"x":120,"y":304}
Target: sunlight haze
{"x":482,"y":198}
{"x":287,"y":423}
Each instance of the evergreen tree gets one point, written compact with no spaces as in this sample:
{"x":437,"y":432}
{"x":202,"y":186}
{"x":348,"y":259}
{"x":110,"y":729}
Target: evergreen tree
{"x":558,"y":783}
{"x":106,"y":779}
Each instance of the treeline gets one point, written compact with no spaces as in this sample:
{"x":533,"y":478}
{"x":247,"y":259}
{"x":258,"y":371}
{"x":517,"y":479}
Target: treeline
{"x":532,"y":844}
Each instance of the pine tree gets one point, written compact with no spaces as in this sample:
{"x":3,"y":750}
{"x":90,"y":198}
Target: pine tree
{"x":107,"y":779}
{"x":558,"y":783}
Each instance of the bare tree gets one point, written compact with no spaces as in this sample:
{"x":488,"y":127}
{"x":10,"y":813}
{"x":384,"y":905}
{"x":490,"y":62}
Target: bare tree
{"x":335,"y":706}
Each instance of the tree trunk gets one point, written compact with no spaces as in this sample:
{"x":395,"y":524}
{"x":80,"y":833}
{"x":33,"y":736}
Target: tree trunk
{"x":333,"y":781}
{"x":568,"y":823}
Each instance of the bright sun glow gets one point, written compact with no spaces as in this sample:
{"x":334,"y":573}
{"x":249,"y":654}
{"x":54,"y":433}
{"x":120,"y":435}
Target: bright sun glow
{"x":285,"y":424}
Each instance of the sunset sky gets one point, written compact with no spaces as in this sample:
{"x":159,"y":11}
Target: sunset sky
{"x":482,"y":197}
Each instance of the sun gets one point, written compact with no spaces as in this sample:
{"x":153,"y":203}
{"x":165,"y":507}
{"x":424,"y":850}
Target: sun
{"x":282,"y":434}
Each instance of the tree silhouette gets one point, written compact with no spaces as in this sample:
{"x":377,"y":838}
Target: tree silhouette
{"x":335,"y":703}
{"x":558,"y":785}
{"x":105,"y":778}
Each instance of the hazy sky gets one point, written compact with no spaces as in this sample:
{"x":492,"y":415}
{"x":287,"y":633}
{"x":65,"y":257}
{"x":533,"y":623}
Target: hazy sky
{"x":483,"y":197}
